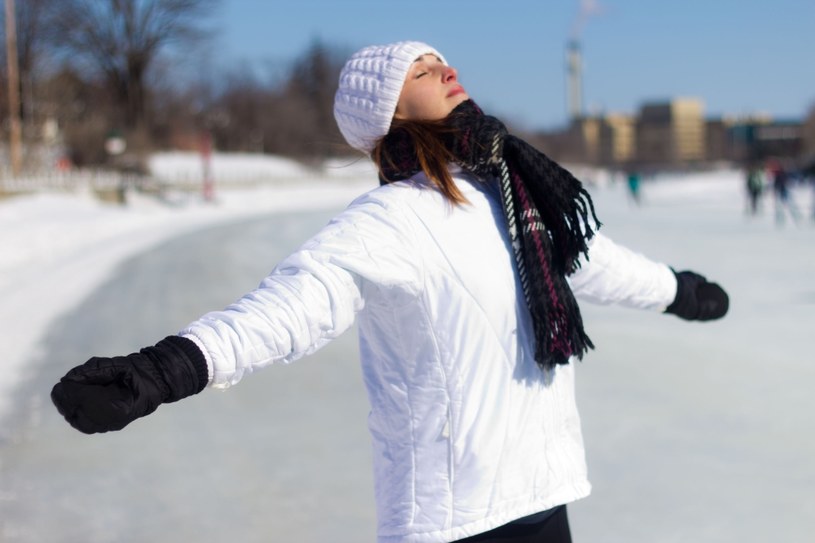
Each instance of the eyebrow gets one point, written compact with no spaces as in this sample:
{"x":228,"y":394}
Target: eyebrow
{"x":420,"y":57}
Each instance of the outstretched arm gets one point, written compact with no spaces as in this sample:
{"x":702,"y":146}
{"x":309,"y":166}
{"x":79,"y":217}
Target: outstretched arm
{"x":312,"y":297}
{"x":614,"y":274}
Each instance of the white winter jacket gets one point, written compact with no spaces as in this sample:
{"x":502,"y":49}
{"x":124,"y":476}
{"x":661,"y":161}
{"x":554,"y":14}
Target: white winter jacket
{"x":468,"y":433}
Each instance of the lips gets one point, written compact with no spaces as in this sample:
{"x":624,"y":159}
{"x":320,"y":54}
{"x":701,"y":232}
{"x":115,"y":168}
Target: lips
{"x":458,"y":89}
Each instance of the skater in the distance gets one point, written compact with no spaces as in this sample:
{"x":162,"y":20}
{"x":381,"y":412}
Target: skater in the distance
{"x":634,"y":186}
{"x":784,"y":201}
{"x":754,"y":185}
{"x":462,"y":271}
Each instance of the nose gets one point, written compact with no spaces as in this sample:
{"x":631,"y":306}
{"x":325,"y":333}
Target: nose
{"x":450,"y":74}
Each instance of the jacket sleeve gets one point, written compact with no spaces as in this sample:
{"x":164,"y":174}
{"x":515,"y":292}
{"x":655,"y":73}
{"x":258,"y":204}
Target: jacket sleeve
{"x":312,"y":296}
{"x":614,"y":274}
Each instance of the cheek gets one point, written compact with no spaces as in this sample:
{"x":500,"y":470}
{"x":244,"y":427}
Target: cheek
{"x":411,"y":103}
{"x":421,"y":104}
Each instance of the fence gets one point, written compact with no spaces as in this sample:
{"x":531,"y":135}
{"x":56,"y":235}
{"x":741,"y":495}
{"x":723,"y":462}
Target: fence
{"x":69,"y":181}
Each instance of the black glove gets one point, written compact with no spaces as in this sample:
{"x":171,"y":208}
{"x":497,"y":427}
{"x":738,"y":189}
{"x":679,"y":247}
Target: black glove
{"x":697,"y":299}
{"x":105,"y":394}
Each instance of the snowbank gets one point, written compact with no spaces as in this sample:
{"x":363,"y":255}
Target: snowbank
{"x":234,"y":168}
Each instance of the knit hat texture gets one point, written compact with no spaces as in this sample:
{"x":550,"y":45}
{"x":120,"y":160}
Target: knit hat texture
{"x":369,"y":88}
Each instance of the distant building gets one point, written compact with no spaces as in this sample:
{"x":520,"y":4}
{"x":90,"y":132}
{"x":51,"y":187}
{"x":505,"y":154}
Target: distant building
{"x":617,"y":139}
{"x":718,"y":140}
{"x":760,"y":139}
{"x":675,"y":134}
{"x":584,"y":139}
{"x":602,"y":141}
{"x":780,"y":139}
{"x":577,"y":143}
{"x":671,"y":133}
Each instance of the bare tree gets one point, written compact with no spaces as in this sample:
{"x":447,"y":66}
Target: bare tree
{"x":237,"y":117}
{"x":121,"y":39}
{"x":312,"y":86}
{"x":290,"y":114}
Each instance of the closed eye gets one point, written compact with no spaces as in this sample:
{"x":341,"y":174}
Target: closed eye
{"x":420,"y":74}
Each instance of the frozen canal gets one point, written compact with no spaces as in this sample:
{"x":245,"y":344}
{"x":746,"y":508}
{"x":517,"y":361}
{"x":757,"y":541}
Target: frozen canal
{"x":694,"y":432}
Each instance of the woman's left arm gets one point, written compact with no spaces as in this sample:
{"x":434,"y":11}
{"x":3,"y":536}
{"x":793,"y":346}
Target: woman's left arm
{"x":614,"y":274}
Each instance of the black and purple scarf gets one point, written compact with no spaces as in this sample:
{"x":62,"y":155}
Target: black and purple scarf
{"x":547,"y":211}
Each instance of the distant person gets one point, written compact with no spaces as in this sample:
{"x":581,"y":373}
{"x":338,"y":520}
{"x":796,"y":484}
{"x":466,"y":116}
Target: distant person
{"x":755,"y":187}
{"x":634,"y":186}
{"x":462,"y":270}
{"x":809,"y":176}
{"x":784,"y":203}
{"x":811,"y":181}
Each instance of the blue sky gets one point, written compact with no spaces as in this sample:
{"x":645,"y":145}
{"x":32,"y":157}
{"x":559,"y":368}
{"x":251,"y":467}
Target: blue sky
{"x":738,"y":56}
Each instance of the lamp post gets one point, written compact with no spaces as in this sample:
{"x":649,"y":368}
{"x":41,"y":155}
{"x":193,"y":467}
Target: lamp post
{"x":206,"y":158}
{"x":115,"y":145}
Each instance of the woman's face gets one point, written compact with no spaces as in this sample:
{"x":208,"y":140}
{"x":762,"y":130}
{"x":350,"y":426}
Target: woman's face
{"x":431,"y":91}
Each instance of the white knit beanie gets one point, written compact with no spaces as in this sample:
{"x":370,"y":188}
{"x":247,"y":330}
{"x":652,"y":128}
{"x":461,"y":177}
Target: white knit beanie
{"x":369,"y":88}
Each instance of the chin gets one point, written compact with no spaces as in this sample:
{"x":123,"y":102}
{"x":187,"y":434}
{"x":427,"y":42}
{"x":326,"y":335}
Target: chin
{"x":458,"y":99}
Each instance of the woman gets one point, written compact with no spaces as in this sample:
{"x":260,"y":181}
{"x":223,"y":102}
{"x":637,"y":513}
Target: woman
{"x":460,"y":270}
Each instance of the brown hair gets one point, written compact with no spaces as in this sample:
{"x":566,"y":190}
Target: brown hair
{"x":431,"y":152}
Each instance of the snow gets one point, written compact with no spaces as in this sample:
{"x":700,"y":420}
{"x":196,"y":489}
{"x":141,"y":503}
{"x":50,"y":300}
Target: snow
{"x":180,"y":165}
{"x":235,"y":168}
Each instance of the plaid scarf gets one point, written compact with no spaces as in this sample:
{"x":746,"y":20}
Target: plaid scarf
{"x":547,"y":213}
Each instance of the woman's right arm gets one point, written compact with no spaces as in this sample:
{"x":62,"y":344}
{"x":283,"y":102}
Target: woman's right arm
{"x":308,"y":299}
